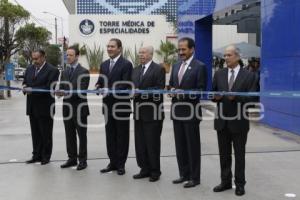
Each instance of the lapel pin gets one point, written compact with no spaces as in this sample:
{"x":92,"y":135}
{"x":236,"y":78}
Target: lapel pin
{"x":189,"y":68}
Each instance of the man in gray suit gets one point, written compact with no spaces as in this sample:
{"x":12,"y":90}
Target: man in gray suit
{"x":230,"y":123}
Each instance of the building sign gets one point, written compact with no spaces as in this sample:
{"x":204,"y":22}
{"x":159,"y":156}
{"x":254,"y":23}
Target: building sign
{"x":87,"y":27}
{"x":133,"y":30}
{"x":126,"y":27}
{"x":9,"y":71}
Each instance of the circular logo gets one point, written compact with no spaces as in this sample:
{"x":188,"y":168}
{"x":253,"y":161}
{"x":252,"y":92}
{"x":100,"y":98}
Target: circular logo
{"x":86,"y":27}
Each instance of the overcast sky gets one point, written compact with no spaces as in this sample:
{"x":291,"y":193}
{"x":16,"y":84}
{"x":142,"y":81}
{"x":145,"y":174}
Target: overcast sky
{"x":57,"y":7}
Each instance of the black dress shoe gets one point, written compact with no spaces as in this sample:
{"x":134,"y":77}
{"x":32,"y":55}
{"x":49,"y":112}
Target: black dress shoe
{"x":141,"y":175}
{"x":45,"y":162}
{"x":109,"y":168}
{"x":81,"y":166}
{"x":222,"y":187}
{"x":179,"y":180}
{"x":32,"y":160}
{"x":121,"y":171}
{"x":153,"y":178}
{"x":69,"y":163}
{"x":240,"y":190}
{"x":190,"y":184}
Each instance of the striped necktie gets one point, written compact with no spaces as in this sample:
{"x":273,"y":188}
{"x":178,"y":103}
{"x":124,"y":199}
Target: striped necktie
{"x":112,"y":63}
{"x":231,"y":80}
{"x":181,"y":72}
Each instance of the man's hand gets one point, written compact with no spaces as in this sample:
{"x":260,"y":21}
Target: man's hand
{"x":171,"y":95}
{"x":102,"y":91}
{"x":179,"y":94}
{"x":231,"y":98}
{"x":136,"y":94}
{"x":59,"y":93}
{"x":97,"y":88}
{"x":217,"y":97}
{"x":27,"y":90}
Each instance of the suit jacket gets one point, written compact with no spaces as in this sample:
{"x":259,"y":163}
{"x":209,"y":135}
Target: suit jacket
{"x":153,"y":79}
{"x":244,"y":82}
{"x":194,"y":78}
{"x":75,"y":100}
{"x":121,"y":72}
{"x":39,"y":103}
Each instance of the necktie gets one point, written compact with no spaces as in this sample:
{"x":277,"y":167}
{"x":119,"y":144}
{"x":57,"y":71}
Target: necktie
{"x":181,"y":72}
{"x":71,"y":72}
{"x":112,"y":63}
{"x":36,"y":71}
{"x":142,"y":72}
{"x":231,"y":80}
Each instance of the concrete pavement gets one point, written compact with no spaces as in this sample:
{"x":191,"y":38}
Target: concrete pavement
{"x":272,"y":163}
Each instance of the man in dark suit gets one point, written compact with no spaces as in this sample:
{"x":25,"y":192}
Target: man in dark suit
{"x":231,"y":123}
{"x":116,"y":107}
{"x":148,"y":115}
{"x":188,"y":74}
{"x":75,"y":109}
{"x":40,"y":105}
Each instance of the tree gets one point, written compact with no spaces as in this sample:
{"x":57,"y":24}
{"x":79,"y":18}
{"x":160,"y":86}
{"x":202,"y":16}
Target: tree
{"x":10,"y":17}
{"x":94,"y":57}
{"x":53,"y":54}
{"x":82,"y":49}
{"x":22,"y":62}
{"x":167,"y":51}
{"x":31,"y":38}
{"x":134,"y":55}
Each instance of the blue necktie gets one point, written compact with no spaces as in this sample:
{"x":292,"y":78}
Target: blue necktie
{"x":112,"y":63}
{"x":71,"y":72}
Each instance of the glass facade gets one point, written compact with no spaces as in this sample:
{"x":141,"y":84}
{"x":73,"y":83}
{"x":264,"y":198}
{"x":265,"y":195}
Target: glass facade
{"x":196,"y":7}
{"x":129,"y":7}
{"x":280,"y":53}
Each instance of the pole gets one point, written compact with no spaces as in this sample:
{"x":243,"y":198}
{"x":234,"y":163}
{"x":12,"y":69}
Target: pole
{"x":55,"y":30}
{"x":63,"y":44}
{"x":62,"y":35}
{"x":7,"y":56}
{"x":63,"y":54}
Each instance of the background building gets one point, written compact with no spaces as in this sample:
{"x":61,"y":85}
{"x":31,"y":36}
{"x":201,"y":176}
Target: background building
{"x":271,"y":24}
{"x":94,"y":22}
{"x":280,"y":49}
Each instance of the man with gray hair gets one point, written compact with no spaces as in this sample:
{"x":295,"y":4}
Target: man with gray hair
{"x":148,"y":115}
{"x":230,"y":123}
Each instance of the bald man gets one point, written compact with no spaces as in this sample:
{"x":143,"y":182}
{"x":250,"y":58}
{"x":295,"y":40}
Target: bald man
{"x":231,"y":123}
{"x":148,"y":115}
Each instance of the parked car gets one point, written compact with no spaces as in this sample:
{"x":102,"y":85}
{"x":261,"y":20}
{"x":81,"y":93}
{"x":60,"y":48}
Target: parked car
{"x":19,"y":73}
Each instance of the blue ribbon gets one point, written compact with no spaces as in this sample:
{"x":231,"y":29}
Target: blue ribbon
{"x":283,"y":94}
